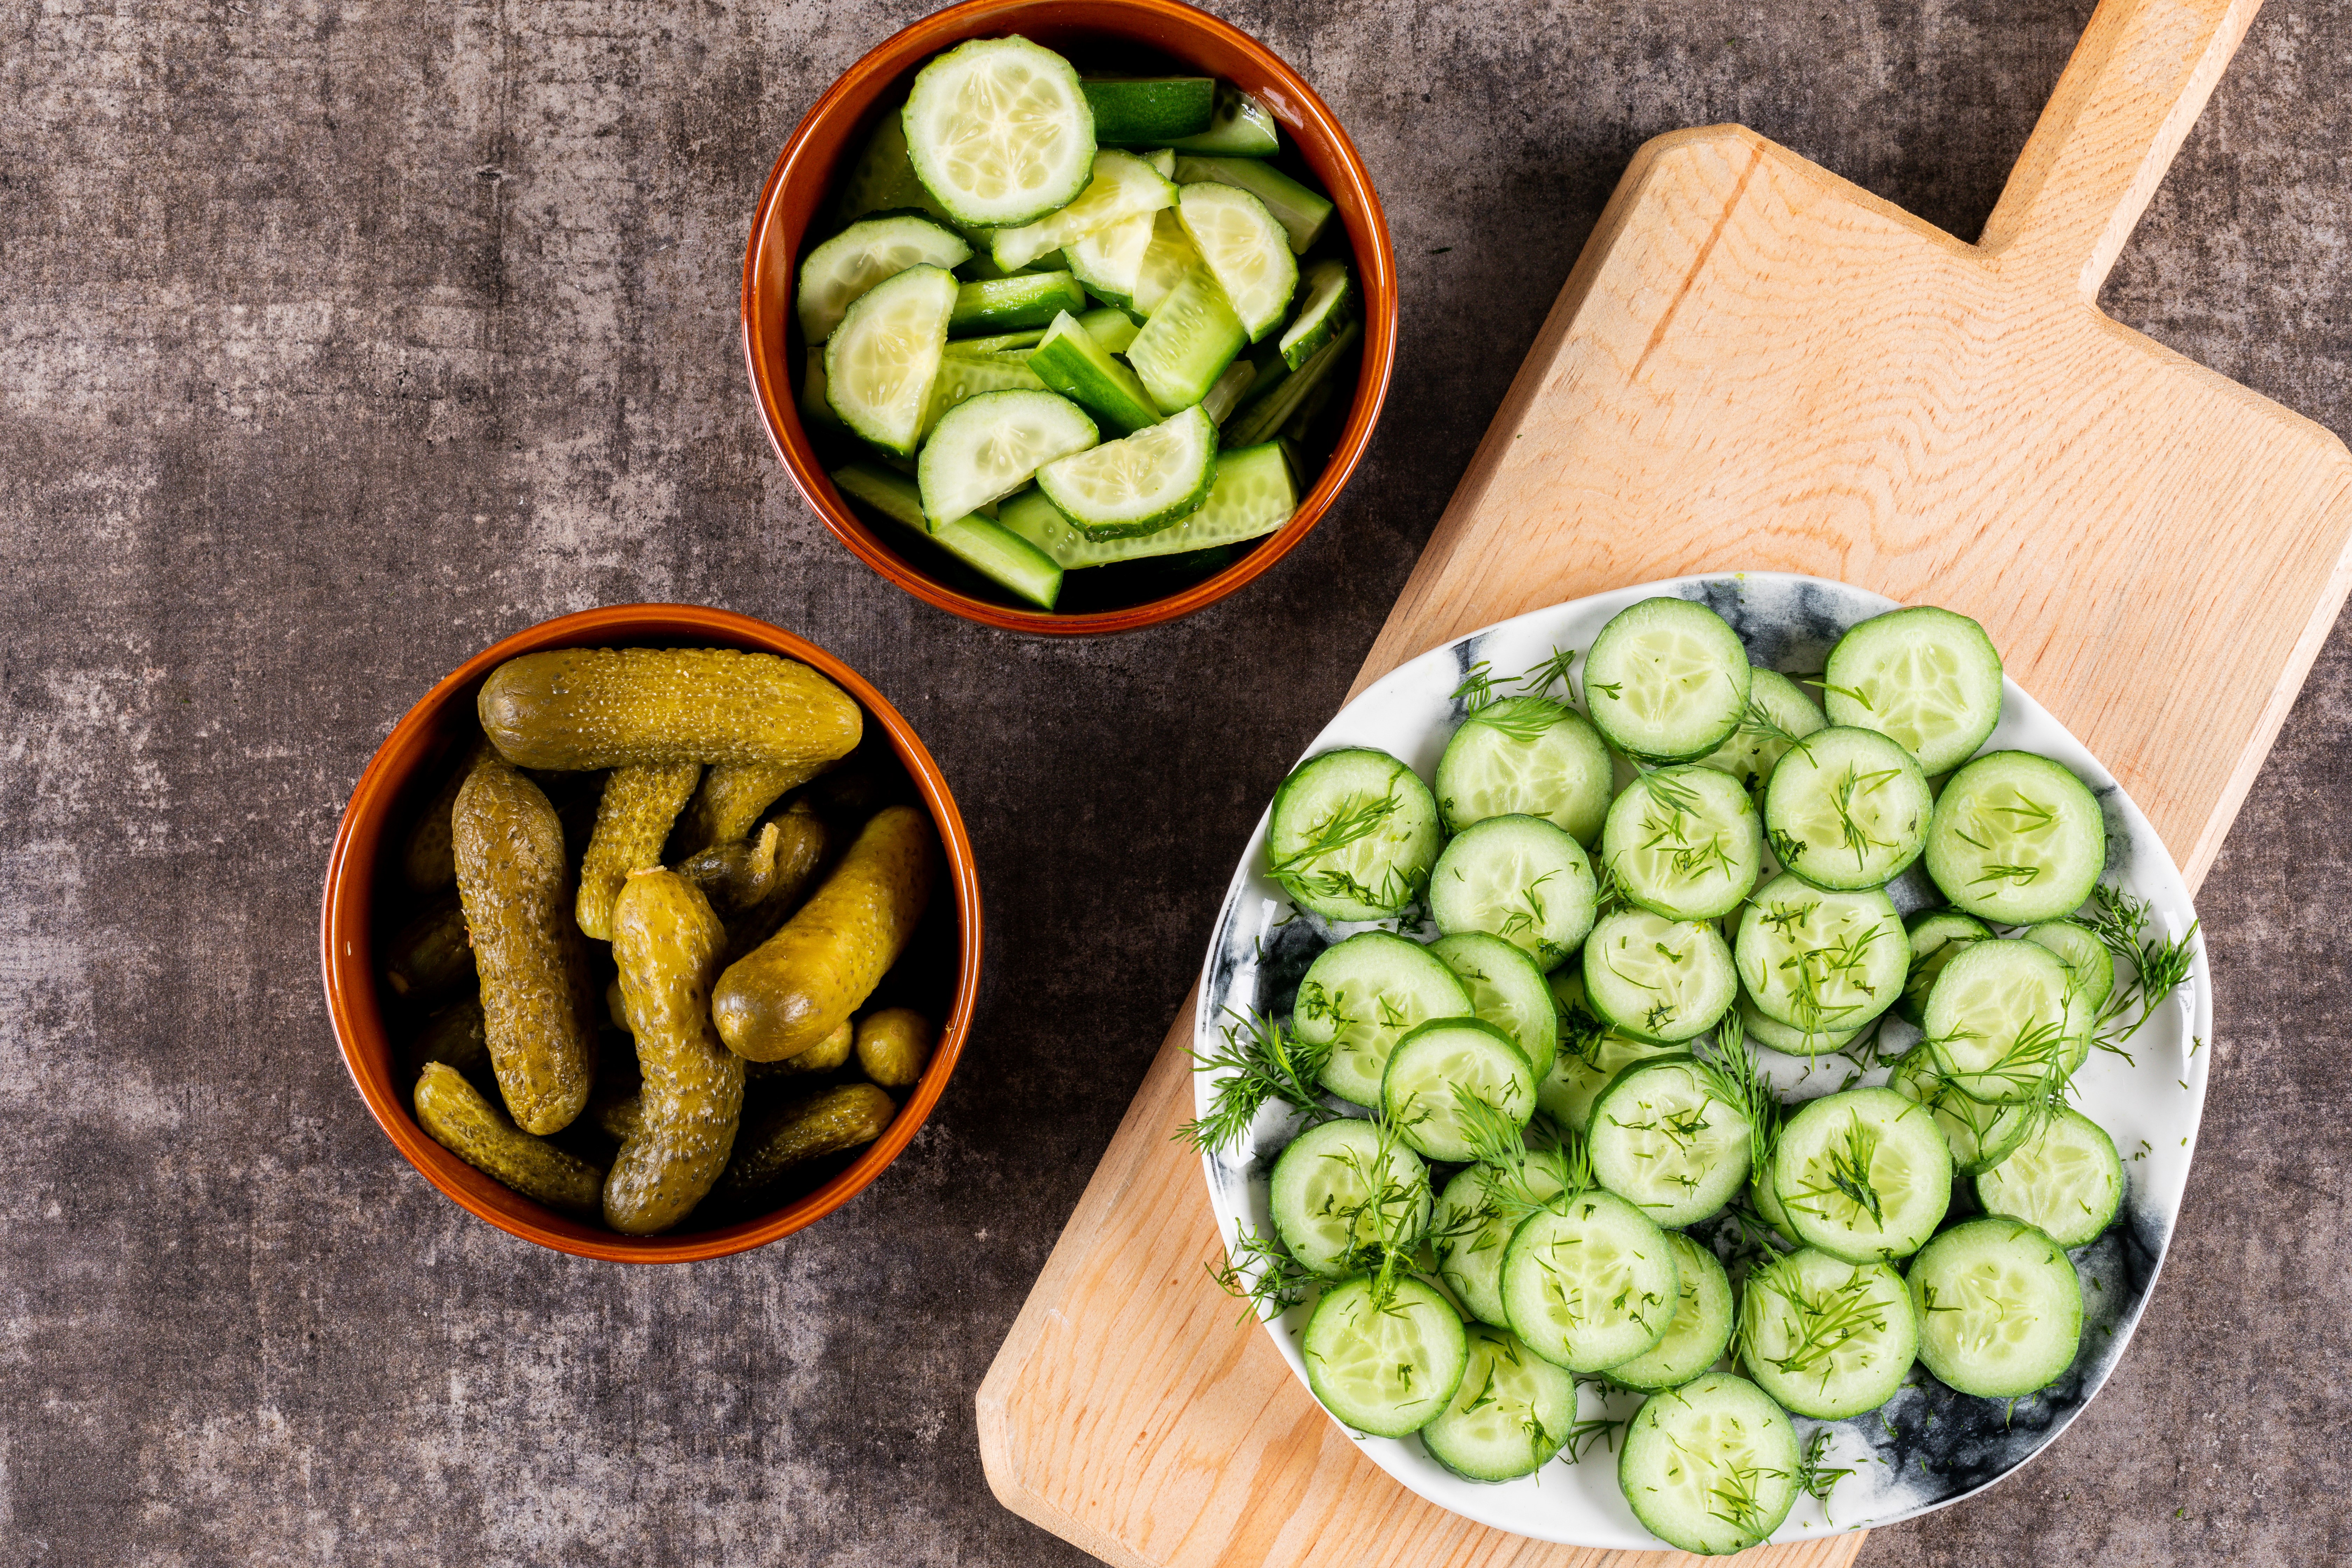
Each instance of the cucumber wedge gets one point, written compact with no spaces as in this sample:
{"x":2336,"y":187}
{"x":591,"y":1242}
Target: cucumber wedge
{"x":1071,"y":362}
{"x":1112,"y":329}
{"x":1254,"y":494}
{"x":996,"y":552}
{"x":992,"y":444}
{"x":964,"y":377}
{"x":1122,"y":186}
{"x":1263,"y":418}
{"x":1302,"y":213}
{"x":1169,"y":260}
{"x":1239,"y":127}
{"x":881,"y":360}
{"x":1008,"y":304}
{"x":844,"y":267}
{"x":1187,"y":343}
{"x":1230,"y":388}
{"x":1245,"y":249}
{"x":1331,"y":295}
{"x":999,"y":132}
{"x":1109,"y":259}
{"x":1138,"y":484}
{"x":1149,"y":111}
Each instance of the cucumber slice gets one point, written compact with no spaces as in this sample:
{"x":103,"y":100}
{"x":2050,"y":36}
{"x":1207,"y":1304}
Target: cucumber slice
{"x":1123,"y":185}
{"x":1937,"y":935}
{"x":1384,"y":1368}
{"x":1170,"y":259}
{"x":836,"y":273}
{"x":1822,"y":962}
{"x":1925,"y":677}
{"x":2000,"y":1309}
{"x":1767,"y":1198}
{"x":1848,"y":808}
{"x":1361,"y":997}
{"x":1473,"y":1223}
{"x":1787,"y":1038}
{"x":1666,"y":1140}
{"x":1590,"y":1282}
{"x":1140,"y":483}
{"x":1148,"y":111}
{"x":1658,"y":979}
{"x":1864,"y":1174}
{"x":1685,"y":843}
{"x":1710,"y":1466}
{"x":1303,"y":214}
{"x":1438,"y":1063}
{"x":1980,"y":1133}
{"x":1755,"y":748}
{"x":1590,"y":1053}
{"x":1187,"y":344}
{"x":994,"y":552}
{"x":1700,"y":1330}
{"x":1239,"y":127}
{"x":2016,"y":839}
{"x":1163,"y":159}
{"x":1254,"y":494}
{"x":1526,"y":756}
{"x":1827,"y":1338}
{"x":1245,"y":249}
{"x":1521,"y":878}
{"x":1008,"y":304}
{"x":1330,"y":297}
{"x":990,"y":444}
{"x":1667,"y":679}
{"x":1071,"y":362}
{"x":2000,"y":1022}
{"x":1352,"y":834}
{"x":2064,"y":1181}
{"x":880,"y":362}
{"x":964,"y":377}
{"x":1338,"y":1188}
{"x":999,"y":132}
{"x":1283,"y":402}
{"x":1109,"y":259}
{"x":1512,"y":1412}
{"x":884,"y":180}
{"x":1505,"y":989}
{"x":2089,"y":965}
{"x":1112,"y":329}
{"x":1221,"y":399}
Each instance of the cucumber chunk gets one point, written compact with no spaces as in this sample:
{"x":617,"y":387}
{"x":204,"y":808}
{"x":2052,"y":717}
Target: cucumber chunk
{"x":2066,"y":1179}
{"x":1008,"y":304}
{"x":1123,"y":185}
{"x":1330,"y":297}
{"x":1239,"y":127}
{"x":1591,"y":1055}
{"x":1246,"y":250}
{"x":1710,"y":1466}
{"x":1824,"y":963}
{"x":1221,"y":400}
{"x":2000,"y":1309}
{"x":1778,"y":715}
{"x":1505,"y":989}
{"x":1140,"y":483}
{"x":1384,"y":1368}
{"x":1337,"y":1189}
{"x":1700,"y":1330}
{"x":1590,"y":1282}
{"x":1169,"y":258}
{"x":1980,"y":1133}
{"x":834,"y":275}
{"x":1187,"y":342}
{"x":1827,"y":1338}
{"x":1685,"y":843}
{"x":1511,"y":1413}
{"x":1302,"y":213}
{"x":1071,"y":362}
{"x":1148,"y":111}
{"x":2016,"y":839}
{"x":1666,"y":679}
{"x":1526,"y":756}
{"x":999,"y":132}
{"x":1109,"y":259}
{"x":1253,"y":493}
{"x":990,"y":444}
{"x":1284,"y":401}
{"x":2089,"y":965}
{"x":1442,"y":1061}
{"x":2001,"y":1022}
{"x":996,"y":552}
{"x":1848,"y":808}
{"x":964,"y":377}
{"x":880,"y":362}
{"x":1361,"y":997}
{"x":1658,"y":979}
{"x":1863,"y":1174}
{"x":1352,"y":834}
{"x":1520,"y":877}
{"x":1937,"y":935}
{"x":1473,"y":1223}
{"x":1926,"y":678}
{"x":1666,"y":1139}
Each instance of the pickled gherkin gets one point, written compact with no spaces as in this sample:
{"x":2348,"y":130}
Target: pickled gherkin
{"x":669,"y":944}
{"x":824,"y":1123}
{"x":612,"y":708}
{"x":799,"y":985}
{"x":474,"y":1129}
{"x":632,"y":821}
{"x":537,"y":1008}
{"x":894,"y":1046}
{"x":453,"y":1036}
{"x":733,"y":795}
{"x":734,"y":877}
{"x":429,"y":862}
{"x":430,"y":959}
{"x":802,"y":841}
{"x":824,"y":1056}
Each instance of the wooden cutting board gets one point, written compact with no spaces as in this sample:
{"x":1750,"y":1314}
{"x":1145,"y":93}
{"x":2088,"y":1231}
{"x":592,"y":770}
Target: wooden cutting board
{"x":1757,"y":365}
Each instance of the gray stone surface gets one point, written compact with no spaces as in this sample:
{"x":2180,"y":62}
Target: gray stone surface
{"x":342,"y":337}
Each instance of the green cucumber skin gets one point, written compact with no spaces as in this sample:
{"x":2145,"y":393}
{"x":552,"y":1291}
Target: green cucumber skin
{"x":1239,"y":127}
{"x":1148,"y":111}
{"x":996,"y":552}
{"x":1010,"y":304}
{"x":1071,"y":362}
{"x":1226,"y":518}
{"x":1263,"y":416}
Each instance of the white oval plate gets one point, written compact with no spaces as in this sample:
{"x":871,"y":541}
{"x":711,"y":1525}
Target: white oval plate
{"x":1928,"y":1446}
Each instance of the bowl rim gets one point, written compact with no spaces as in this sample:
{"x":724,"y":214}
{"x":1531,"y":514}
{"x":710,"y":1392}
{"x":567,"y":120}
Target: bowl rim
{"x":1375,"y":256}
{"x":347,"y":959}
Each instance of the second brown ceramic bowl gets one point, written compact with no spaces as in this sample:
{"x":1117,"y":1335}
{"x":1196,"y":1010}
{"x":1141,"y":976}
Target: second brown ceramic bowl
{"x":835,"y":131}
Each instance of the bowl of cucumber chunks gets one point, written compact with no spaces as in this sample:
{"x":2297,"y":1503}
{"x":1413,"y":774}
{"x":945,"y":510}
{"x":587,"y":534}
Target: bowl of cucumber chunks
{"x":651,"y":934}
{"x":1708,"y":1063}
{"x":1069,"y":318}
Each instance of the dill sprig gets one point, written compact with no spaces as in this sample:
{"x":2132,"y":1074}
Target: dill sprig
{"x":1596,"y":1430}
{"x":1261,"y":1274}
{"x":1756,"y":719}
{"x":1541,"y":676}
{"x":1478,"y":688}
{"x":1842,"y":799}
{"x":1299,"y":872}
{"x":1813,"y":1477}
{"x":1846,"y":1175}
{"x":2159,"y":968}
{"x":1259,"y":1061}
{"x":1824,"y":1321}
{"x":1522,"y":719}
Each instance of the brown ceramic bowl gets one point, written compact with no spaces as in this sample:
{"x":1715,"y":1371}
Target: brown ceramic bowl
{"x":802,"y":185}
{"x":365,"y":862}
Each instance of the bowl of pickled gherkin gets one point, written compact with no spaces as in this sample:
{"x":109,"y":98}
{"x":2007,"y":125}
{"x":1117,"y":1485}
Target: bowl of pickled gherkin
{"x":651,"y":934}
{"x":1069,"y":318}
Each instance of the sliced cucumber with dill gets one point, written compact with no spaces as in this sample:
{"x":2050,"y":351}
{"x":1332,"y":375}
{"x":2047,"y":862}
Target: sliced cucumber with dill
{"x":1711,"y":1467}
{"x":1187,"y":342}
{"x":1656,"y":978}
{"x":1123,"y":185}
{"x":1701,"y":1328}
{"x":1303,"y":214}
{"x":2089,"y":965}
{"x":1666,"y":679}
{"x":1255,"y":492}
{"x":1664,"y":1138}
{"x":1010,"y":304}
{"x":1685,"y":843}
{"x":1787,"y":1038}
{"x":1140,"y":483}
{"x":1512,"y":1412}
{"x":1822,"y":962}
{"x":1246,"y":251}
{"x":1526,"y":756}
{"x":2016,"y":839}
{"x":1239,"y":126}
{"x":1926,"y":678}
{"x":1149,"y":110}
{"x":1591,"y":1054}
{"x":1848,"y":808}
{"x":1778,"y":715}
{"x":2066,"y":1179}
{"x":1590,"y":1281}
{"x":994,"y":552}
{"x":1361,"y":996}
{"x":1826,"y":1337}
{"x":1387,"y":1366}
{"x":990,"y":444}
{"x":838,"y":273}
{"x":1864,"y":1174}
{"x":1980,"y":1133}
{"x":1436,"y":1067}
{"x":1352,"y":834}
{"x":1473,"y":1223}
{"x":1330,"y":297}
{"x":2000,"y":1309}
{"x":881,"y":360}
{"x":1518,"y":878}
{"x":1341,"y":1195}
{"x":1505,"y":989}
{"x":1283,"y":402}
{"x":999,"y":132}
{"x":1937,"y":935}
{"x":2001,"y":1022}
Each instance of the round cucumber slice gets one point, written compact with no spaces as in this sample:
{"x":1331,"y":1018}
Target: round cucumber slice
{"x":1666,"y":679}
{"x":1701,"y":1326}
{"x":1822,"y":962}
{"x":1756,"y":748}
{"x":2000,"y":1309}
{"x":1246,"y":250}
{"x":1435,"y":1066}
{"x":1505,"y":990}
{"x":2000,"y":1022}
{"x":1827,"y":1338}
{"x":998,"y":132}
{"x":2088,"y":962}
{"x":1352,"y":834}
{"x":1590,"y":1282}
{"x":1847,"y":808}
{"x":1666,"y":1142}
{"x":1787,"y":1038}
{"x":1384,"y":1367}
{"x":881,"y":360}
{"x":1336,"y":1189}
{"x":1526,"y":756}
{"x":1511,"y":1413}
{"x":1980,"y":1133}
{"x":1926,"y":678}
{"x":1863,"y":1174}
{"x":1685,"y":843}
{"x":2016,"y":839}
{"x":1658,"y":979}
{"x":836,"y":273}
{"x":1520,"y":877}
{"x":1710,"y":1466}
{"x":1138,"y":484}
{"x":989,"y":445}
{"x":2064,"y":1181}
{"x":1361,"y":997}
{"x":1472,"y":1225}
{"x":1937,"y":935}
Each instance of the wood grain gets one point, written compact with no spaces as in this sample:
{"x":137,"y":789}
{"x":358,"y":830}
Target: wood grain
{"x":1753,"y":365}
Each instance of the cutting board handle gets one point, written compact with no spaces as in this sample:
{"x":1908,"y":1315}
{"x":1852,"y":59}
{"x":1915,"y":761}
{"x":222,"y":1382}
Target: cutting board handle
{"x":2135,"y":85}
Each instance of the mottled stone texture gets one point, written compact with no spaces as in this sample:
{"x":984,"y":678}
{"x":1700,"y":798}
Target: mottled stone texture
{"x":341,"y":338}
